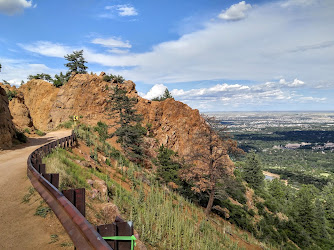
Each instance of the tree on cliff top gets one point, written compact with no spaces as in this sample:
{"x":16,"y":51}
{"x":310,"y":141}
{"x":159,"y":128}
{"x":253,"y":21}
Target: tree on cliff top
{"x":76,"y":63}
{"x":212,"y":162}
{"x":163,"y":97}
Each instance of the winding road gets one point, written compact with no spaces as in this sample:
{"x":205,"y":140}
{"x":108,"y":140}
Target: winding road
{"x":19,"y":228}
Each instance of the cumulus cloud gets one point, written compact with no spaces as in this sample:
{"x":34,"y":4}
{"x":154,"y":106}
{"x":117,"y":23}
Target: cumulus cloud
{"x":156,"y":91}
{"x":236,"y":11}
{"x":122,"y":10}
{"x":235,"y":96}
{"x":11,"y":7}
{"x":112,"y":42}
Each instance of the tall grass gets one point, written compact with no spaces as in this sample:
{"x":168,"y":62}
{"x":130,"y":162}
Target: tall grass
{"x":164,"y":219}
{"x":71,"y":175}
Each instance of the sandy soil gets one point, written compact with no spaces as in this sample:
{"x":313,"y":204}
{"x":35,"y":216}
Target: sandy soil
{"x":19,"y":228}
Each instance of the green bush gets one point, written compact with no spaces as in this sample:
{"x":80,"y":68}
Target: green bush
{"x":67,"y":124}
{"x":40,"y":133}
{"x":11,"y":94}
{"x":26,"y":130}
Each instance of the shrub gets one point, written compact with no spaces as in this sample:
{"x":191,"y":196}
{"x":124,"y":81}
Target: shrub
{"x":40,"y":133}
{"x":26,"y":130}
{"x":45,"y":77}
{"x":11,"y":94}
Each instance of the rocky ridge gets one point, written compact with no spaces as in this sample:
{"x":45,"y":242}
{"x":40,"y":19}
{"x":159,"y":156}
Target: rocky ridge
{"x":171,"y":122}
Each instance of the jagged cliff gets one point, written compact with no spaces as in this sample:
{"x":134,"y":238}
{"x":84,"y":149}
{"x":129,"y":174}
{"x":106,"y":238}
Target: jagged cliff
{"x":173,"y":123}
{"x":7,"y":129}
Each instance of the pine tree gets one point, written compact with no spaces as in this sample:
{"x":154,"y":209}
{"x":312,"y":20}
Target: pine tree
{"x":252,"y":171}
{"x":129,"y":131}
{"x":76,"y":63}
{"x":167,"y":167}
{"x":308,"y":212}
{"x":163,"y":97}
{"x":60,"y":80}
{"x":42,"y":76}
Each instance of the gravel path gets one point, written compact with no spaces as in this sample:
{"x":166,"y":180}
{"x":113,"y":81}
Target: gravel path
{"x":19,"y":228}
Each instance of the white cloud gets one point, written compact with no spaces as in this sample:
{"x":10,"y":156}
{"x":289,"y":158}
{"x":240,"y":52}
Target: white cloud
{"x":112,"y":42}
{"x":236,"y":96}
{"x":283,"y":83}
{"x":270,"y":44}
{"x":290,"y":3}
{"x":118,"y":51}
{"x":156,"y":91}
{"x":305,"y":99}
{"x":236,"y":11}
{"x":11,"y":7}
{"x":127,"y":11}
{"x":121,"y":10}
{"x":14,"y":71}
{"x":47,"y":48}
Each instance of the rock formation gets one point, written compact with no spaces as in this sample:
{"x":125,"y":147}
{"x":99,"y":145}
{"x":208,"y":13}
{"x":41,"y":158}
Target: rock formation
{"x":39,"y":97}
{"x":7,"y":129}
{"x":172,"y":123}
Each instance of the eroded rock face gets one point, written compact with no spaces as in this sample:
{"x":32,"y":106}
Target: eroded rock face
{"x":7,"y":129}
{"x":20,"y":113}
{"x":18,"y":109}
{"x":172,"y":123}
{"x":39,"y":97}
{"x":85,"y":96}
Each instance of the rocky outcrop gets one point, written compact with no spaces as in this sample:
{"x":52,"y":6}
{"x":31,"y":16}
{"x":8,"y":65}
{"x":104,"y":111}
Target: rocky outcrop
{"x":171,"y":122}
{"x":18,"y":109}
{"x":7,"y":129}
{"x":39,"y":97}
{"x":20,"y":113}
{"x":85,"y":96}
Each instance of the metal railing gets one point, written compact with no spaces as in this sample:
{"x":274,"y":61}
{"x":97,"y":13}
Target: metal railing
{"x":82,"y":233}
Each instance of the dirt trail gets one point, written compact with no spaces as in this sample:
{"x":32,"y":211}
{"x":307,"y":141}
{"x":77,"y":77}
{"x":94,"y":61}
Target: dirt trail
{"x":19,"y":228}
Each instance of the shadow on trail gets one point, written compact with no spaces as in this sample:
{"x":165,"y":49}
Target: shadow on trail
{"x":39,"y":141}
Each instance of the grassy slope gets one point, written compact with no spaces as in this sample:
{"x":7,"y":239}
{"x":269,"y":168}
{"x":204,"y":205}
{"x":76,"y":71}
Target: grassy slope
{"x":163,"y":218}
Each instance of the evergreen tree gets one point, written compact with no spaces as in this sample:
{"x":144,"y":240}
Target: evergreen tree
{"x":129,"y":131}
{"x":102,"y":129}
{"x":76,"y":63}
{"x":167,"y":167}
{"x":0,"y":67}
{"x":308,"y":212}
{"x":163,"y":97}
{"x":42,"y":76}
{"x":60,"y":80}
{"x":328,"y":196}
{"x":252,"y":171}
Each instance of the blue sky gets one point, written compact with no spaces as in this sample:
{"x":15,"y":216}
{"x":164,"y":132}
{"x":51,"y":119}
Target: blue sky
{"x":213,"y":55}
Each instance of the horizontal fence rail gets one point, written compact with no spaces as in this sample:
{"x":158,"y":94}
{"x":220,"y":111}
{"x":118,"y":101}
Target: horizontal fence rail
{"x":82,"y":233}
